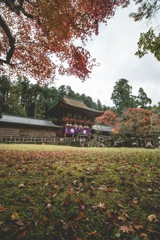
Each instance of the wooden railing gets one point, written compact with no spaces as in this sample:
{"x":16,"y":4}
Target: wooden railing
{"x":37,"y":140}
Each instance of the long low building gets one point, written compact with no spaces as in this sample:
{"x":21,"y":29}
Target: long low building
{"x":15,"y":128}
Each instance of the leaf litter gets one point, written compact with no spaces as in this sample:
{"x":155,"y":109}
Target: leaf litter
{"x":79,"y":193}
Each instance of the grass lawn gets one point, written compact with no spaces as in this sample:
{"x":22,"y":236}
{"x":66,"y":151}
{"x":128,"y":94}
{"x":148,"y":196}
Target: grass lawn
{"x":69,"y":193}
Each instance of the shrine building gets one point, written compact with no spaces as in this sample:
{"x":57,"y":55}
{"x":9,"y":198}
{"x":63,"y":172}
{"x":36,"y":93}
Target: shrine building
{"x":74,"y":116}
{"x":27,"y":130}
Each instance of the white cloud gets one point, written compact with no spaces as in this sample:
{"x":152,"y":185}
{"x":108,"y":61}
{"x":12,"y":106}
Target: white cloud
{"x":114,"y":48}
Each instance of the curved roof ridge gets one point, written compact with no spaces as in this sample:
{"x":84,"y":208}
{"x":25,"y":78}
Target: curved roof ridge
{"x":72,"y":98}
{"x":80,"y":104}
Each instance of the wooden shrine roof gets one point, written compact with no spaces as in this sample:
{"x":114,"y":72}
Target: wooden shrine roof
{"x":73,"y":105}
{"x":78,"y":104}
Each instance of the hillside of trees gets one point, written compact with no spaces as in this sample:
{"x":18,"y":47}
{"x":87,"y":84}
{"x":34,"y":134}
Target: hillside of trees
{"x":23,"y":98}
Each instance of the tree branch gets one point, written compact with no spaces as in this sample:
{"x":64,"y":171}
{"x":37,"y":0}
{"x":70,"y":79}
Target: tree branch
{"x":17,"y":8}
{"x":11,"y":6}
{"x":10,"y":39}
{"x":26,"y":14}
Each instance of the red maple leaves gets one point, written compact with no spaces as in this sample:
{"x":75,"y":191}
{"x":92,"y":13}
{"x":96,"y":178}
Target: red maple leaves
{"x":108,"y":118}
{"x":38,"y":36}
{"x":139,"y":121}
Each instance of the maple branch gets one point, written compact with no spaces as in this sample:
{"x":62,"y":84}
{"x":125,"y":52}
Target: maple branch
{"x":11,"y":6}
{"x":17,"y":8}
{"x":11,"y":41}
{"x":23,"y":11}
{"x":26,"y":14}
{"x":32,"y":3}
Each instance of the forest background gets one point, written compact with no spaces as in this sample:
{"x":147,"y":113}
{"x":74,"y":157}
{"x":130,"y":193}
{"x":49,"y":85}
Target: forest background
{"x":23,"y":98}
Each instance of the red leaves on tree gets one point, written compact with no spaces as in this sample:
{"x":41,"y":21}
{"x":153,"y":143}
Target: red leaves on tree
{"x":37,"y":37}
{"x":138,"y":121}
{"x":108,"y":118}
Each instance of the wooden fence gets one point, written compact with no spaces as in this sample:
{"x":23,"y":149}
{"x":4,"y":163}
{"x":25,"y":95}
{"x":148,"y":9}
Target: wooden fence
{"x":36,"y":140}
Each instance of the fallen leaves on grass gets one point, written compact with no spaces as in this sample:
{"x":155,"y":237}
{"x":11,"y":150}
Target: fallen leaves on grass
{"x":3,"y":209}
{"x":22,"y":235}
{"x":80,"y":216}
{"x":138,"y":227}
{"x":92,"y":233}
{"x":69,"y":194}
{"x":21,"y":185}
{"x":125,"y":229}
{"x":101,"y":206}
{"x":1,"y":222}
{"x":151,"y":217}
{"x":15,"y":216}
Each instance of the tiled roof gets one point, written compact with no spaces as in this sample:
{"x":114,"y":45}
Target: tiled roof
{"x":102,"y":128}
{"x":26,"y":121}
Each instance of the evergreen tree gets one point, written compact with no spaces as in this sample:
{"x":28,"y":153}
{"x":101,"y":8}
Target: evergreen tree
{"x":99,"y":105}
{"x":5,"y":87}
{"x":122,"y":96}
{"x":142,"y":99}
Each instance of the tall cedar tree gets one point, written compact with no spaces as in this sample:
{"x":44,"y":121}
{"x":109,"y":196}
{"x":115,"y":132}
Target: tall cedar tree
{"x":122,"y":96}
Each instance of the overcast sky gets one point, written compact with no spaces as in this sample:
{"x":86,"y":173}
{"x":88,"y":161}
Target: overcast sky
{"x":114,"y":49}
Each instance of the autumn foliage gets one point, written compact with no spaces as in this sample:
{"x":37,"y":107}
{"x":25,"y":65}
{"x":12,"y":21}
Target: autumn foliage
{"x":139,"y":122}
{"x":38,"y":37}
{"x":108,"y":118}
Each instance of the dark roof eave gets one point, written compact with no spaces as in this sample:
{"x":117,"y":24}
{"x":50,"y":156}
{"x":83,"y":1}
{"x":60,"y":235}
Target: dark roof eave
{"x":91,"y":111}
{"x":64,"y":103}
{"x":39,"y":123}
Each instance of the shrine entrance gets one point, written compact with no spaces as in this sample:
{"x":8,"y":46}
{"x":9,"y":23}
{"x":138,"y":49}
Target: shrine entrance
{"x":75,"y":117}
